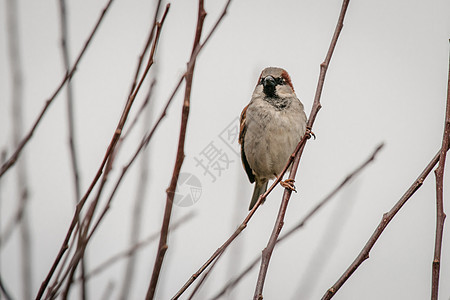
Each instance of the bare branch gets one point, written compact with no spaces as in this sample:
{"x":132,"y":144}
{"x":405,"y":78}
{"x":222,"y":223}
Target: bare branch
{"x":203,"y":279}
{"x":71,"y":121}
{"x":69,"y":95}
{"x":17,"y":100}
{"x":162,"y":248}
{"x":108,"y":154}
{"x":440,"y":215}
{"x":303,"y":221}
{"x":12,"y":160}
{"x":216,"y":255}
{"x":387,"y":217}
{"x":136,"y":218}
{"x":134,"y":248}
{"x":267,"y":252}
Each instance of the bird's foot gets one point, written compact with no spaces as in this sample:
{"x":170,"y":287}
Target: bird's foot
{"x":288,"y":184}
{"x":309,"y":133}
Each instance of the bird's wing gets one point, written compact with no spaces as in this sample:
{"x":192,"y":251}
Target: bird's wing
{"x":242,"y":131}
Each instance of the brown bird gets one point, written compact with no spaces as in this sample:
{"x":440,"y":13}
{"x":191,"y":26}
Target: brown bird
{"x":271,"y":126}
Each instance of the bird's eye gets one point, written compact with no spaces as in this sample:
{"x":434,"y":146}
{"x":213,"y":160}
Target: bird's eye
{"x":261,"y":81}
{"x":279,"y":80}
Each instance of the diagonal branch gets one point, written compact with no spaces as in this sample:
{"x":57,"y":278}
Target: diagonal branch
{"x":305,"y":219}
{"x":142,"y":190}
{"x":387,"y":217}
{"x":267,"y":252}
{"x":109,"y":154}
{"x":134,"y":248}
{"x":13,"y":158}
{"x":440,"y":215}
{"x":216,"y":255}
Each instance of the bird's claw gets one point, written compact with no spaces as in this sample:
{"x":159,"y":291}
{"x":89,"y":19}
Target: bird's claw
{"x":288,"y":184}
{"x":309,"y":133}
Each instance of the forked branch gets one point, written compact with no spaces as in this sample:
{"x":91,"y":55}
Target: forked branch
{"x":440,"y":215}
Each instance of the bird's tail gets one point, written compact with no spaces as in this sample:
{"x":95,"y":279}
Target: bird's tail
{"x":260,"y":188}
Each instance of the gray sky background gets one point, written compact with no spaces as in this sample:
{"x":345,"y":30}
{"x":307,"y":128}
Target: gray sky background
{"x":387,"y":82}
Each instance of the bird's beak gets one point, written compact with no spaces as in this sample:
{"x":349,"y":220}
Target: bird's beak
{"x":269,"y":86}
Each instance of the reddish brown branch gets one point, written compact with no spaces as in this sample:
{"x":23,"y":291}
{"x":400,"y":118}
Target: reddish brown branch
{"x":107,"y":156}
{"x":13,"y":158}
{"x":147,"y":44}
{"x":134,"y":248}
{"x":305,"y":219}
{"x":223,"y":247}
{"x":71,"y":123}
{"x":387,"y":217}
{"x":138,"y":212}
{"x":203,"y":279}
{"x":162,"y":248}
{"x":241,"y":227}
{"x":440,"y":215}
{"x":267,"y":252}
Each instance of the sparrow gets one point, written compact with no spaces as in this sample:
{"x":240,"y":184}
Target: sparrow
{"x":271,"y":126}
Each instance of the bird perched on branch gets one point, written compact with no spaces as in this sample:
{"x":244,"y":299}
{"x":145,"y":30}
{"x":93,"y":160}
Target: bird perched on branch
{"x":271,"y":126}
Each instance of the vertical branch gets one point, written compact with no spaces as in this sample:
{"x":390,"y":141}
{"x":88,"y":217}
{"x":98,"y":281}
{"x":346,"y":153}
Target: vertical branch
{"x":267,"y":252}
{"x":440,"y":215}
{"x":135,"y":229}
{"x":162,"y":248}
{"x":17,"y":120}
{"x":71,"y":123}
{"x":69,"y":95}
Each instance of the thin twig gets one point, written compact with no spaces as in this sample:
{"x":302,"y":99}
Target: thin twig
{"x":134,"y":248}
{"x":140,"y":111}
{"x":136,"y":218}
{"x":216,"y":255}
{"x":305,"y":219}
{"x":162,"y":247}
{"x":108,"y":160}
{"x":17,"y":125}
{"x":440,"y":215}
{"x":13,"y":158}
{"x":203,"y":279}
{"x":69,"y":95}
{"x":71,"y":122}
{"x":267,"y":252}
{"x":109,"y":152}
{"x":146,"y":46}
{"x":387,"y":217}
